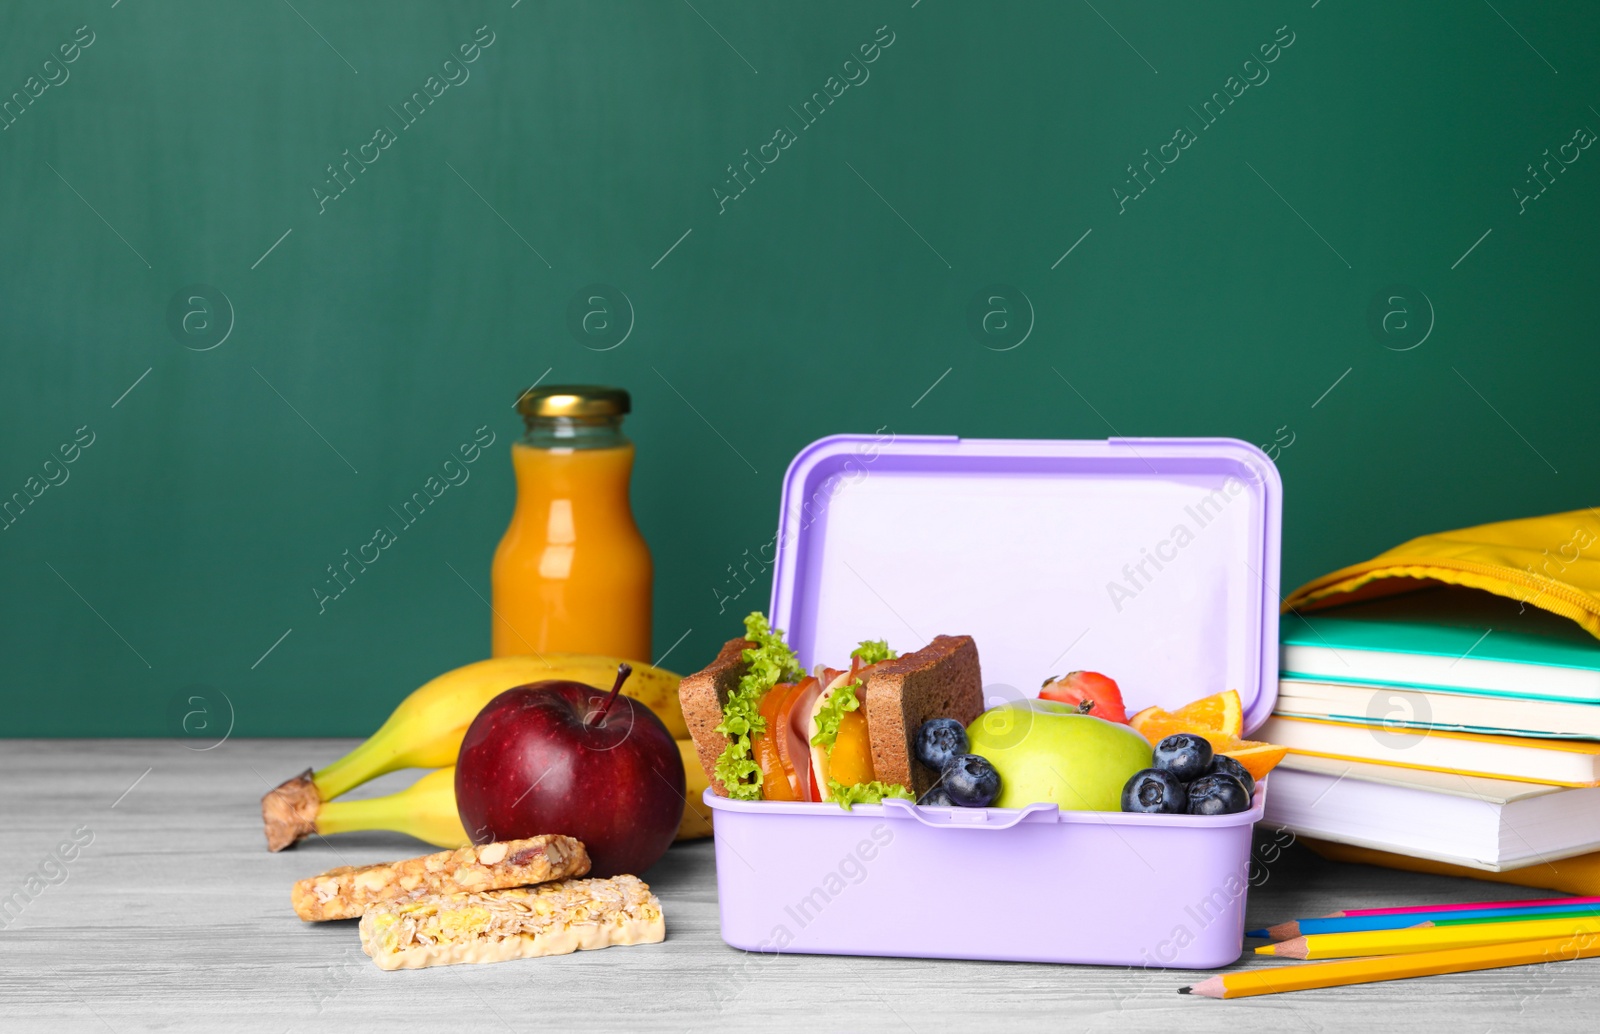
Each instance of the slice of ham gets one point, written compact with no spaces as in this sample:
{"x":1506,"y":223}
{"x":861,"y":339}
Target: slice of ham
{"x":794,"y":748}
{"x":796,"y":717}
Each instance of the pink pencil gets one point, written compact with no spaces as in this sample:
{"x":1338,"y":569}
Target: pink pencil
{"x":1520,"y":903}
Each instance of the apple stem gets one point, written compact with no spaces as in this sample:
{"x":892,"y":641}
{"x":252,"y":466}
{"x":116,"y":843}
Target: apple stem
{"x":623,"y":671}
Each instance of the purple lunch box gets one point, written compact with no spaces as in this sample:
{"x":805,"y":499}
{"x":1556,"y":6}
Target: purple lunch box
{"x":1153,"y":560}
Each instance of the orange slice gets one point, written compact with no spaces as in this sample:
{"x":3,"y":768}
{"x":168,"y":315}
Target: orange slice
{"x":1220,"y":719}
{"x":1257,"y":758}
{"x":1220,"y":714}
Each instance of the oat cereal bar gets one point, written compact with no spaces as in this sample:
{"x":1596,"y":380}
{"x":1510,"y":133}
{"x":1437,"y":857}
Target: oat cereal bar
{"x":550,"y":919}
{"x":347,"y":892}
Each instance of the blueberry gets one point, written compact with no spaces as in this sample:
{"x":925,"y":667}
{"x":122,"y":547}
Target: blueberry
{"x":938,"y":797}
{"x":1185,"y":755}
{"x":1217,"y":795}
{"x":1154,"y":792}
{"x":971,"y":781}
{"x":939,"y":742}
{"x":1224,"y":765}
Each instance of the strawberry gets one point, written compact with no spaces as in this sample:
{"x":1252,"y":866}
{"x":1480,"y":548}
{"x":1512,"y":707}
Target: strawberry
{"x":1092,"y":692}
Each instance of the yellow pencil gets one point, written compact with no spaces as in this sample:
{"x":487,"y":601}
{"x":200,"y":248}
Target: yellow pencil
{"x":1426,"y":938}
{"x":1395,"y":967}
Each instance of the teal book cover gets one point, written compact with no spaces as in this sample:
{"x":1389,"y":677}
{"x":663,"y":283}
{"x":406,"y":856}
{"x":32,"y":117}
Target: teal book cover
{"x":1455,"y":623}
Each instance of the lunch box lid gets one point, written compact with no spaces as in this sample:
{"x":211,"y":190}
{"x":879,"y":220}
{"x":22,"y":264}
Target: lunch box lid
{"x":1151,"y":560}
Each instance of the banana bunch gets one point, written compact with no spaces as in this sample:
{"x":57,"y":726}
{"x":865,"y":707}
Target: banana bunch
{"x":426,"y":730}
{"x":427,"y":808}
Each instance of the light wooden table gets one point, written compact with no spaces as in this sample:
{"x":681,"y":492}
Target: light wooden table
{"x":175,"y":918}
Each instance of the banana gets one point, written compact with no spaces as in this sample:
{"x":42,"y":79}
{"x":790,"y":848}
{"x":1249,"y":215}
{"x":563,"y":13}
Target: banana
{"x":426,"y":730}
{"x":696,"y":816}
{"x":427,"y":808}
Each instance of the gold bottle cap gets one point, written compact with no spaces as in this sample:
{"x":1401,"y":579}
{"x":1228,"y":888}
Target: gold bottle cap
{"x":573,"y":400}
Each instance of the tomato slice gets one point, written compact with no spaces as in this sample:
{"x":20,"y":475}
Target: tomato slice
{"x":783,"y":732}
{"x":796,"y":718}
{"x":775,"y":784}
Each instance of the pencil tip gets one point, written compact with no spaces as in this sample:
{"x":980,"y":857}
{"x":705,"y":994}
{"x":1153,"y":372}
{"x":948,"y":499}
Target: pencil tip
{"x":1298,"y":948}
{"x":1257,"y":933}
{"x":1185,"y":990}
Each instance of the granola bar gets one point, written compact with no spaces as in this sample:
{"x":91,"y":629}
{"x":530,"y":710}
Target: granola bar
{"x":525,"y":922}
{"x":348,"y":891}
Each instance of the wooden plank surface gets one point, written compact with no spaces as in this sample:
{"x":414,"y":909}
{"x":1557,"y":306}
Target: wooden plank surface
{"x":175,"y":918}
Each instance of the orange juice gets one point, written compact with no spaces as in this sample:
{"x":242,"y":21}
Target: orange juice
{"x":572,"y":573}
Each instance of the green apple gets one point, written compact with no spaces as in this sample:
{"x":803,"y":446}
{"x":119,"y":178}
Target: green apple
{"x":1048,"y":751}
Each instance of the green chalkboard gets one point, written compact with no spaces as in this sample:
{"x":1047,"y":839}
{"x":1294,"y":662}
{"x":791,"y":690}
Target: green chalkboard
{"x":267,"y":266}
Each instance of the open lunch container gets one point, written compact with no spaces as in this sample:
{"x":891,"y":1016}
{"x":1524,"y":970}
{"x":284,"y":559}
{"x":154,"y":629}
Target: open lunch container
{"x":1154,"y":560}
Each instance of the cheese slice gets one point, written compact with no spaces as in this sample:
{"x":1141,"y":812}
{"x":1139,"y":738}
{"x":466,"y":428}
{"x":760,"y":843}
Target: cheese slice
{"x":849,"y":760}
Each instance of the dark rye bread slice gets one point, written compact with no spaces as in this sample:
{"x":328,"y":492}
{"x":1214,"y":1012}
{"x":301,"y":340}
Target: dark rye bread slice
{"x":941,"y":680}
{"x":703,"y":695}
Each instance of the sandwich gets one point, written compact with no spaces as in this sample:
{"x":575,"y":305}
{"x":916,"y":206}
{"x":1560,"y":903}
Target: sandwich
{"x":765,"y":730}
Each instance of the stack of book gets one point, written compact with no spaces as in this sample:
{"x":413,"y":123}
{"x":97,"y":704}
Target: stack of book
{"x":1445,"y":730}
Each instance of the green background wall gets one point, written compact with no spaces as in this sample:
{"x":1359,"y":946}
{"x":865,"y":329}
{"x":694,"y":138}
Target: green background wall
{"x":989,"y":139}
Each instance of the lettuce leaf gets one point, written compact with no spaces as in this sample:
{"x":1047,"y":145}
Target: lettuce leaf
{"x":771,"y":661}
{"x":843,"y":699}
{"x":871,"y":651}
{"x":866,"y":793}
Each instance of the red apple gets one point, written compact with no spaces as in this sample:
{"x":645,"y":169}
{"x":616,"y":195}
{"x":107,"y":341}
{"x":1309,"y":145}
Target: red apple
{"x":564,"y":757}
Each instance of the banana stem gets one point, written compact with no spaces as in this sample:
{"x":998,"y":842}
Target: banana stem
{"x":294,"y":808}
{"x":289,"y":811}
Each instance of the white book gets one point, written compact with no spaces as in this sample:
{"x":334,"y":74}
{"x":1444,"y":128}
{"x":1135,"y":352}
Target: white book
{"x":1499,"y":791}
{"x":1561,"y":762}
{"x":1436,"y":709}
{"x":1489,"y":824}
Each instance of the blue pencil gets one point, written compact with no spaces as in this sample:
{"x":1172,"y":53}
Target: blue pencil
{"x":1347,"y":924}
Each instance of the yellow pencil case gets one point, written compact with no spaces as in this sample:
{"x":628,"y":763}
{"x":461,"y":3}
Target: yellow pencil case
{"x":1551,"y":562}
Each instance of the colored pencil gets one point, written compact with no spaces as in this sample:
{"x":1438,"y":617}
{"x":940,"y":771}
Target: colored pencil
{"x":1427,"y":938}
{"x":1516,"y":918}
{"x":1515,"y":903}
{"x":1347,"y":924}
{"x":1294,"y":927}
{"x":1394,"y":967}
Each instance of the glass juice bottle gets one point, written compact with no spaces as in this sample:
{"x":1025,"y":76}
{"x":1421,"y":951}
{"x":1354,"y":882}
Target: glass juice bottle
{"x":572,"y":574}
